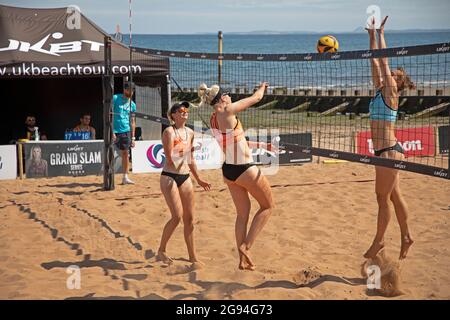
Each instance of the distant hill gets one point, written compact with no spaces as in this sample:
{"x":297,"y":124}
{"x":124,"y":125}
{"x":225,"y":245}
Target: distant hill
{"x":357,"y":30}
{"x":361,"y":30}
{"x":272,"y":32}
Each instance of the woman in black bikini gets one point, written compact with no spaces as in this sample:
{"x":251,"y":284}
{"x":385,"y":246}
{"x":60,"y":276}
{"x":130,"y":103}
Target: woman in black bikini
{"x":240,"y":174}
{"x":175,"y":183}
{"x":383,"y":114}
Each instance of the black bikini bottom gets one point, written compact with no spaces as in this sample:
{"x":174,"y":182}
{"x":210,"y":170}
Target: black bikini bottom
{"x":179,"y":178}
{"x":396,"y":147}
{"x":234,"y":171}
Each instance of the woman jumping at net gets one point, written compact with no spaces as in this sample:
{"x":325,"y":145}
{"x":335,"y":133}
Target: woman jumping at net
{"x":383,"y":114}
{"x":175,"y":181}
{"x":240,"y":174}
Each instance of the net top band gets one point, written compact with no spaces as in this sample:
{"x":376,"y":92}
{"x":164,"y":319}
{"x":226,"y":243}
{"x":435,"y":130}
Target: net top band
{"x":437,"y":48}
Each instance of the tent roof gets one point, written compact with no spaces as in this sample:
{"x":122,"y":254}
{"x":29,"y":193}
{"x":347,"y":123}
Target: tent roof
{"x":63,"y":42}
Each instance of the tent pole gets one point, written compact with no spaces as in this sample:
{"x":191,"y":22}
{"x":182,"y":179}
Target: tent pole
{"x":20,"y":155}
{"x":108,"y":85}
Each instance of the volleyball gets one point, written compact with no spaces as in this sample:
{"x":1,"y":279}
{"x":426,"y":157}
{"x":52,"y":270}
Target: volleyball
{"x":327,"y":44}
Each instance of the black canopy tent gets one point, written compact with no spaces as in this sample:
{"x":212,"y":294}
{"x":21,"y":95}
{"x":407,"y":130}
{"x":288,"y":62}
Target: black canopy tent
{"x":51,"y":66}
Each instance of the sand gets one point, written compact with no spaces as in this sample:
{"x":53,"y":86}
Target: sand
{"x":312,"y":247}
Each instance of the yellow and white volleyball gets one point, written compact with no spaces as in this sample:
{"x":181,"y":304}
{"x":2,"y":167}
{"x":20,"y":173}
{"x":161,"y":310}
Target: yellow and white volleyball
{"x":327,"y":44}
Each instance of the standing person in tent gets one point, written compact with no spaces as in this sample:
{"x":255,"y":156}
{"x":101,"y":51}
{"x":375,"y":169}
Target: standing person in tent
{"x":124,"y":126}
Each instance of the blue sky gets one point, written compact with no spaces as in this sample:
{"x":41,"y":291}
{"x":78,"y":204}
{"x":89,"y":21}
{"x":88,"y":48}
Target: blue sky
{"x":194,"y":16}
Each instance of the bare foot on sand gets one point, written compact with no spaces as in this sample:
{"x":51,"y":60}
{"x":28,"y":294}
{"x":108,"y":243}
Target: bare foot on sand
{"x":243,"y":265}
{"x":197,"y":265}
{"x":248,"y":263}
{"x":407,"y":242}
{"x":162,"y":256}
{"x":374,"y":249}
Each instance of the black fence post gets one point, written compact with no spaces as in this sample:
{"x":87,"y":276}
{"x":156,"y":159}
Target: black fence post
{"x":219,"y":66}
{"x":108,"y":85}
{"x":166,"y":97}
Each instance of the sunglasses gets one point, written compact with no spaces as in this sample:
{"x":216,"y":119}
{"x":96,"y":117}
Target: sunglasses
{"x":218,"y":96}
{"x":183,"y":110}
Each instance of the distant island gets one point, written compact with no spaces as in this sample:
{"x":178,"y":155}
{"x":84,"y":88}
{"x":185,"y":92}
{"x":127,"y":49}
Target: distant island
{"x":271,"y":32}
{"x":357,"y":30}
{"x":361,"y":29}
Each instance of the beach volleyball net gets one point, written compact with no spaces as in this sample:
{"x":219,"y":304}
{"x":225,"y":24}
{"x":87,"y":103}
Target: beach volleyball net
{"x":327,"y":95}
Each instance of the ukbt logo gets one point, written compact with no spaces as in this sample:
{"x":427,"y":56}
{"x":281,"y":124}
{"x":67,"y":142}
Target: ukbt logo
{"x":55,"y":48}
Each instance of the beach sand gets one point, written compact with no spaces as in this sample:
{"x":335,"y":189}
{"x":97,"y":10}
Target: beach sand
{"x":311,"y":248}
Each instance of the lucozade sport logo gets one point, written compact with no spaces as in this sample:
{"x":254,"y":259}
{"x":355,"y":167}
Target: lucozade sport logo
{"x":155,"y":155}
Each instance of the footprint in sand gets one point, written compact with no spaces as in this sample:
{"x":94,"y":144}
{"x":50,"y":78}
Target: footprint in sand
{"x":306,"y":276}
{"x":268,"y":271}
{"x":139,"y":210}
{"x":177,"y":270}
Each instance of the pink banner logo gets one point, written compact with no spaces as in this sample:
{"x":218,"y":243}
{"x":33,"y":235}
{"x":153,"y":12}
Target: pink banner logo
{"x":415,"y":142}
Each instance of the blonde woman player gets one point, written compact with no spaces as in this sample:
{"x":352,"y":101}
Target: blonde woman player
{"x":242,"y":177}
{"x":175,"y":181}
{"x":383,"y":115}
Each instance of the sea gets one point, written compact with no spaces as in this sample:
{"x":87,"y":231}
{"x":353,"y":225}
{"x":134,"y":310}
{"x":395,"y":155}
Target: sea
{"x":277,"y":43}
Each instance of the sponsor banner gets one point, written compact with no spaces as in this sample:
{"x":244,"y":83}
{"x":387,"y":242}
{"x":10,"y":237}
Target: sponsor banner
{"x":378,"y":161}
{"x":444,"y":139}
{"x":35,"y":69}
{"x":62,"y":158}
{"x":8,"y":162}
{"x":207,"y":153}
{"x":415,"y":141}
{"x":291,"y":156}
{"x":286,"y":154}
{"x":148,"y":156}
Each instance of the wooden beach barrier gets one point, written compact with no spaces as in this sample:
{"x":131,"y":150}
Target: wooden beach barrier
{"x":280,"y":91}
{"x":403,"y":102}
{"x":339,"y":108}
{"x":268,"y":105}
{"x":431,"y":111}
{"x":356,"y":102}
{"x":301,"y":107}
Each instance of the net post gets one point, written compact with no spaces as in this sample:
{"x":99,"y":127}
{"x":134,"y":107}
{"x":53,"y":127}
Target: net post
{"x":448,"y":139}
{"x":108,"y":84}
{"x":166,"y":97}
{"x":219,"y":67}
{"x":20,"y":155}
{"x":318,"y":157}
{"x":169,"y":93}
{"x":353,"y":141}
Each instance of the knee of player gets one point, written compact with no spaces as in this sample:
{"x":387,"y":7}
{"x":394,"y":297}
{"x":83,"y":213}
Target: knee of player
{"x":176,"y":218}
{"x":383,"y":198}
{"x":188,"y":220}
{"x":268,"y":206}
